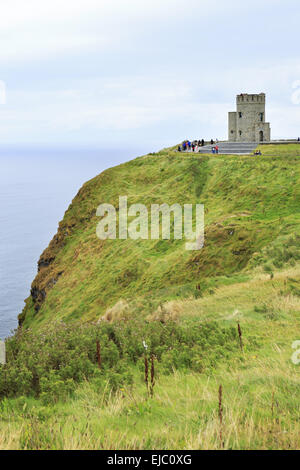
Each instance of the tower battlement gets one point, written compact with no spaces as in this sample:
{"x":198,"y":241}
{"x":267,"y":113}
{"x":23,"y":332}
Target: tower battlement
{"x":253,"y":98}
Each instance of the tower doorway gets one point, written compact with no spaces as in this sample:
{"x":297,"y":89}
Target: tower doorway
{"x":261,"y":136}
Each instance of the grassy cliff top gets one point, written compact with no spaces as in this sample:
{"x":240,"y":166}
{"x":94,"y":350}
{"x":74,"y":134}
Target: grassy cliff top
{"x":252,"y":218}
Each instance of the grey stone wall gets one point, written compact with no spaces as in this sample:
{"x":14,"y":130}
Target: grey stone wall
{"x":232,"y":126}
{"x":248,"y":123}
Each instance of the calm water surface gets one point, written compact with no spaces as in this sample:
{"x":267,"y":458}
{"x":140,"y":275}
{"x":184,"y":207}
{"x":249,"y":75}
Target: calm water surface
{"x":36,"y":187}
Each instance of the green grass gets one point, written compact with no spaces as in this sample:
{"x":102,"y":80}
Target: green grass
{"x":248,"y":273}
{"x":260,"y":400}
{"x":251,"y":205}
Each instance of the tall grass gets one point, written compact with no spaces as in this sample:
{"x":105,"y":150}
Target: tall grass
{"x":181,"y":415}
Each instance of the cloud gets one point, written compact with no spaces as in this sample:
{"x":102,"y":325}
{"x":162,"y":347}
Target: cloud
{"x":150,"y":107}
{"x":128,"y":103}
{"x":35,"y":29}
{"x":93,"y":71}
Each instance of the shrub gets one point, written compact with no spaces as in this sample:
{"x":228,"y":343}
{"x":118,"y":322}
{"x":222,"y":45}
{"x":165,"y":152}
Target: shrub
{"x":50,"y":362}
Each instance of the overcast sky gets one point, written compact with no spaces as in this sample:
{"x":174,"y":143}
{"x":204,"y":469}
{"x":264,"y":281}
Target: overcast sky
{"x":144,"y":72}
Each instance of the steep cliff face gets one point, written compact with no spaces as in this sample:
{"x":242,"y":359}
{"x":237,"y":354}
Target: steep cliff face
{"x":48,"y":270}
{"x":251,"y":206}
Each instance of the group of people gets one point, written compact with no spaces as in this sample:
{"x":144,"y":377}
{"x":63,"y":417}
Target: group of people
{"x":188,"y":146}
{"x":194,"y":146}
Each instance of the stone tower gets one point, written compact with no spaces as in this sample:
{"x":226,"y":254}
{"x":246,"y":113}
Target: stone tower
{"x":247,"y":123}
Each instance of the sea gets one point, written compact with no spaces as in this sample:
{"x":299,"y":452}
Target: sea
{"x":36,"y":187}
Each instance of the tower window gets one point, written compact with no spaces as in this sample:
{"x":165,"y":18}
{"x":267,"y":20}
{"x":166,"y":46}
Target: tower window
{"x":261,"y":116}
{"x":240,"y":132}
{"x":240,"y":114}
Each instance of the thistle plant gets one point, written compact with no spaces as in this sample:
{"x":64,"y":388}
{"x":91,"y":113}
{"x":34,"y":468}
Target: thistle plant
{"x":240,"y":337}
{"x":221,"y":415}
{"x":152,"y":383}
{"x":98,"y":353}
{"x":146,"y":367}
